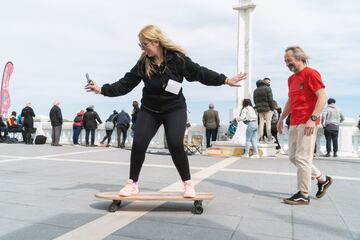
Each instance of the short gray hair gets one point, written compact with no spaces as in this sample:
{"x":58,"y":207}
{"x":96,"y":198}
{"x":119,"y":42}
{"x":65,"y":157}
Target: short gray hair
{"x":211,"y":106}
{"x":299,"y":53}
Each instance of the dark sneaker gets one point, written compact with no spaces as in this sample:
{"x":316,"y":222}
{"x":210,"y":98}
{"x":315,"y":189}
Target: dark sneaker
{"x":297,"y":199}
{"x":323,"y":187}
{"x":335,"y":154}
{"x":327,"y":155}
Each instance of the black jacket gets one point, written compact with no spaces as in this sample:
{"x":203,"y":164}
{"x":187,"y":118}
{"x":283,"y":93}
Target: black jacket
{"x":56,"y":118}
{"x":123,"y":119}
{"x":176,"y":66}
{"x":263,"y":97}
{"x":112,"y":118}
{"x":28,"y":114}
{"x":90,"y":119}
{"x":134,"y":115}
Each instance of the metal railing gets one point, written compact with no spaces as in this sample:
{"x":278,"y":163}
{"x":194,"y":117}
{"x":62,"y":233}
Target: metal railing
{"x":349,"y":135}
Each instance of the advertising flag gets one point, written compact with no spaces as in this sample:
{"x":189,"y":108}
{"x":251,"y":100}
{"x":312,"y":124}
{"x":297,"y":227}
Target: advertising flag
{"x":4,"y":94}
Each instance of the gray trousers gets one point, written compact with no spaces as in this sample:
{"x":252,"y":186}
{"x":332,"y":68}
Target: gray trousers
{"x":55,"y":134}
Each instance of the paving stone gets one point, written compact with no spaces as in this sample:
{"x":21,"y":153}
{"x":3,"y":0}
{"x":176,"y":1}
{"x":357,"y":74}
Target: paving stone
{"x":10,"y":225}
{"x":353,"y":223}
{"x":35,"y":231}
{"x":273,"y":228}
{"x":238,"y":235}
{"x":43,"y":199}
{"x":321,"y":230}
{"x":149,"y":230}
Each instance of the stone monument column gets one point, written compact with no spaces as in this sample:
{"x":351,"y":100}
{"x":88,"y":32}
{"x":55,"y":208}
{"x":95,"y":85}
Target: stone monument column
{"x":245,"y":9}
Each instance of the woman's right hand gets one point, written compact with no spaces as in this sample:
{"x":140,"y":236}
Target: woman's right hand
{"x":93,"y":87}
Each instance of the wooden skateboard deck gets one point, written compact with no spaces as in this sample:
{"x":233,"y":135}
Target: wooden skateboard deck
{"x":155,"y":196}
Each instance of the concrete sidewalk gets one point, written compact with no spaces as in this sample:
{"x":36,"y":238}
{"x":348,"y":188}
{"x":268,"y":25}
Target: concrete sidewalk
{"x":48,"y":193}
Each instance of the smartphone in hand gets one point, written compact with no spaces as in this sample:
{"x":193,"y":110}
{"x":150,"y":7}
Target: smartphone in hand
{"x":88,"y":78}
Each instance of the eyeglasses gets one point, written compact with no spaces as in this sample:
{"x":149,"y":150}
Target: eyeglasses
{"x":143,"y":45}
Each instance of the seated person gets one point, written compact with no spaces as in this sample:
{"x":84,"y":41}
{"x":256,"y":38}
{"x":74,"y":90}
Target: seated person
{"x":3,"y":127}
{"x":12,"y":122}
{"x":19,"y":120}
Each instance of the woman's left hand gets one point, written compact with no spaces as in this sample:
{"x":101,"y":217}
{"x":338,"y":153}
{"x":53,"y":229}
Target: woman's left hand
{"x":234,"y":81}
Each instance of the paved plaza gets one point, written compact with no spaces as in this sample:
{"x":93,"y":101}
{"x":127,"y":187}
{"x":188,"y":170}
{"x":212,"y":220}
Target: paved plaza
{"x":48,"y":193}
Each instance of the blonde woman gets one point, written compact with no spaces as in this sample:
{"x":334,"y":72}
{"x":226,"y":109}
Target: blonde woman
{"x":162,"y":67}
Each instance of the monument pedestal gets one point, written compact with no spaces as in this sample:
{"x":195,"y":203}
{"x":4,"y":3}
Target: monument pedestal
{"x":231,"y":149}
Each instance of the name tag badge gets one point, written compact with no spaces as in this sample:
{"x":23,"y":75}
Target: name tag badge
{"x":173,"y":87}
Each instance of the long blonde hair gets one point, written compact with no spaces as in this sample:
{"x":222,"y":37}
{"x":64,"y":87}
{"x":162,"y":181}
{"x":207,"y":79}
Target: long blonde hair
{"x":154,"y":33}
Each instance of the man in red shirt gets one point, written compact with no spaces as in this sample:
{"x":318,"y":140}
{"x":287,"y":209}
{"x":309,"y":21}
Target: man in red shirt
{"x":306,"y":100}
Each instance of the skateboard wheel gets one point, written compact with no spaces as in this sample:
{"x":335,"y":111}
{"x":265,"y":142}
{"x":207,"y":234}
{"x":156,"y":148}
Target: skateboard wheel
{"x":114,"y":206}
{"x":197,"y":203}
{"x":198,"y":210}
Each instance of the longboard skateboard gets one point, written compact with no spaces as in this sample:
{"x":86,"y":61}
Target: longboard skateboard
{"x":155,"y":196}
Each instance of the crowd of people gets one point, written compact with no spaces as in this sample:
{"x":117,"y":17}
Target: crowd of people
{"x":265,"y":114}
{"x":260,"y":118}
{"x":84,"y":120}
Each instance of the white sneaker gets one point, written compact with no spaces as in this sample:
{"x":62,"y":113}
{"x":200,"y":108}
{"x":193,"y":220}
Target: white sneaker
{"x":255,"y":156}
{"x":130,"y":188}
{"x":189,"y":191}
{"x":246,"y":155}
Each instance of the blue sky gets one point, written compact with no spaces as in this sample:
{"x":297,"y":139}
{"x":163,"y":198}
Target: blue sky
{"x":54,"y":43}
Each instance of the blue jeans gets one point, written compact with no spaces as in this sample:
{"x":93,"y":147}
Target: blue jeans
{"x":252,"y":136}
{"x":87,"y":134}
{"x":76,"y":133}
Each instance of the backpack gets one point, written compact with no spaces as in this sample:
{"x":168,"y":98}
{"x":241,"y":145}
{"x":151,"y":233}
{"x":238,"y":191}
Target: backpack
{"x":77,"y":119}
{"x":232,"y":128}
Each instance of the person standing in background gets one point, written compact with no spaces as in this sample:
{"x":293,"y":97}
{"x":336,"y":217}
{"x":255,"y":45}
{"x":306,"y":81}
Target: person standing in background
{"x":56,"y":120}
{"x":264,"y":105}
{"x":90,"y":122}
{"x":122,"y":126}
{"x":249,"y":117}
{"x":77,"y":126}
{"x":211,"y":123}
{"x":109,"y":127}
{"x":331,"y":119}
{"x":27,"y":119}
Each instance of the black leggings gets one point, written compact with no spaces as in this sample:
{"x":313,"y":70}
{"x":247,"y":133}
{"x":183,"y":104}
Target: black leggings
{"x":147,"y":124}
